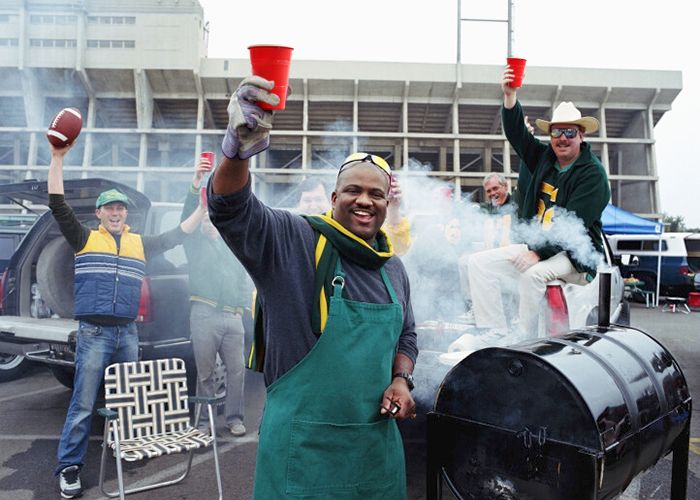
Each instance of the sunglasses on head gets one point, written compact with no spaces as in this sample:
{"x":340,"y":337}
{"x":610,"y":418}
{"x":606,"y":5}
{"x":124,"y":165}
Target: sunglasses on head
{"x":569,"y":132}
{"x":375,"y":160}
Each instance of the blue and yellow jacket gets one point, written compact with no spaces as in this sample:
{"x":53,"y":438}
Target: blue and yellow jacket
{"x":108,"y":276}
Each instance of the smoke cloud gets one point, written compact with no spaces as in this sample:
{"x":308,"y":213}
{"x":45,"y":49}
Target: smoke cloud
{"x":441,"y":300}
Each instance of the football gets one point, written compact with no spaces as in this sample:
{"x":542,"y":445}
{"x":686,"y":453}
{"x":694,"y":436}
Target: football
{"x":65,"y":127}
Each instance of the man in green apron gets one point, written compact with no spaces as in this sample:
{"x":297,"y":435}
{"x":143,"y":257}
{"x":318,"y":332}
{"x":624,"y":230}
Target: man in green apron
{"x":335,"y":335}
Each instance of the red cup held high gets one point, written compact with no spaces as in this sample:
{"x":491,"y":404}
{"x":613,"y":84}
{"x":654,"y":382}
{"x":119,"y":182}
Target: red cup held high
{"x":518,"y":67}
{"x":272,"y":62}
{"x":208,"y":155}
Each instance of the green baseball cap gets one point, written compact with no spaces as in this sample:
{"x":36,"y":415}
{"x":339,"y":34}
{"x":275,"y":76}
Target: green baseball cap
{"x":110,"y":197}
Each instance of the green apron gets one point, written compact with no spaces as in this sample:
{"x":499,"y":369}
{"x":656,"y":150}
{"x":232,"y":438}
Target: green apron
{"x":321,"y":435}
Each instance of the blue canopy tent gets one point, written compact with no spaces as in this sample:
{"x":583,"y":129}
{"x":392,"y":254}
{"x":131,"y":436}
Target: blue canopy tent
{"x":618,"y":221}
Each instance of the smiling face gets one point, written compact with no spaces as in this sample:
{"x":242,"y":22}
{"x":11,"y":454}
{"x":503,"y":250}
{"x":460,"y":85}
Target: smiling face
{"x":360,"y":200}
{"x":112,"y":216}
{"x":565,"y":149}
{"x":496,"y":192}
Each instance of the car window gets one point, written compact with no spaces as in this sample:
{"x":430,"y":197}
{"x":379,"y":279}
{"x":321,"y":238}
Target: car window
{"x":641,"y":245}
{"x":629,"y":245}
{"x":692,"y":245}
{"x":653,"y":245}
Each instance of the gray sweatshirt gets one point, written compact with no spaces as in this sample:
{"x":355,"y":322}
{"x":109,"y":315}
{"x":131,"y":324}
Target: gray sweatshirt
{"x":277,"y":249}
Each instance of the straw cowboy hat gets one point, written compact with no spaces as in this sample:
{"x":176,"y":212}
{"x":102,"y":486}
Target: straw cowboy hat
{"x":566,"y":112}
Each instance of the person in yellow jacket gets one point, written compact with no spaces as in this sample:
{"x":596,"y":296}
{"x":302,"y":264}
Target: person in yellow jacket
{"x":110,"y":264}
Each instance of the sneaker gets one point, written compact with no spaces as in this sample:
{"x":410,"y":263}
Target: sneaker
{"x":237,"y":429}
{"x":495,"y":337}
{"x":69,"y":479}
{"x":467,"y":318}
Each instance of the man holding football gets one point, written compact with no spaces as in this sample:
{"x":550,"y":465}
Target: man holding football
{"x":110,"y":264}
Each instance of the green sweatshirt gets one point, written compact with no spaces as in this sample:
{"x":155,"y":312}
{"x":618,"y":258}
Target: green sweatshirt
{"x":583,"y":189}
{"x":216,"y":276}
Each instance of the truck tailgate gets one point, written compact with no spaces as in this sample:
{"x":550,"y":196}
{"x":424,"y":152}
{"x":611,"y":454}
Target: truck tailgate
{"x":21,"y":328}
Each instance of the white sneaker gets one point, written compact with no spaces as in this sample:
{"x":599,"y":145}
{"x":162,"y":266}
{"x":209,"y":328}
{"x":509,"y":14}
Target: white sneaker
{"x":495,"y":337}
{"x":237,"y":430}
{"x":467,"y":318}
{"x":69,"y":480}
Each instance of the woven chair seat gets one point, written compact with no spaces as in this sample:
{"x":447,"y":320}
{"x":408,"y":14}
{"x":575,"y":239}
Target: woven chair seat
{"x":155,"y":445}
{"x":147,"y":416}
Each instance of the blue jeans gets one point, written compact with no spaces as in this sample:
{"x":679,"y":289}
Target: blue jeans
{"x":97,"y":347}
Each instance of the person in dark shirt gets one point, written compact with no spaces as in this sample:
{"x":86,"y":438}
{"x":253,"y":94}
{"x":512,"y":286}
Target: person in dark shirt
{"x":338,"y":343}
{"x":109,"y":269}
{"x":313,"y":199}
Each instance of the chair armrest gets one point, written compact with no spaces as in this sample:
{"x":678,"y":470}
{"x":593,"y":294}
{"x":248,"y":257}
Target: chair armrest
{"x":207,"y":400}
{"x":108,"y":414}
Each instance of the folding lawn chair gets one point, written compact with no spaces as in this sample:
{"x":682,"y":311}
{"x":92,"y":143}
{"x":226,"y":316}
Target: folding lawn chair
{"x":147,"y":416}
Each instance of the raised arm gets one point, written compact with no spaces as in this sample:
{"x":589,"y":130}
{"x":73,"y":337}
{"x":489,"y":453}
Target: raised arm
{"x":55,"y":180}
{"x":247,"y":134}
{"x":230,"y":176}
{"x":509,"y":93}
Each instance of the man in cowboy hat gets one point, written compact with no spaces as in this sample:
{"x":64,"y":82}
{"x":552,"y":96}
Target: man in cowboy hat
{"x":338,"y":343}
{"x":564,"y":176}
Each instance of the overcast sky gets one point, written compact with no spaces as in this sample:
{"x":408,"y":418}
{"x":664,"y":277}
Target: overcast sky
{"x":639,"y":34}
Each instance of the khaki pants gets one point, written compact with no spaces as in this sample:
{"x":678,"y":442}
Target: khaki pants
{"x":491,"y":272}
{"x":215,"y":331}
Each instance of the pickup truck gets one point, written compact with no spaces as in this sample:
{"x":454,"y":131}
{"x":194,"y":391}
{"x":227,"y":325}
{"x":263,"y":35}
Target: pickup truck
{"x":36,"y":290}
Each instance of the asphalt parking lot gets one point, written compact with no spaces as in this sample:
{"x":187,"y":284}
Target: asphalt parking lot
{"x":32,"y":410}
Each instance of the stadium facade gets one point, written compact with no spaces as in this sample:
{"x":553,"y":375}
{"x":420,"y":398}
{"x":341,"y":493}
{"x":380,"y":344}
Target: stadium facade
{"x":152,"y":99}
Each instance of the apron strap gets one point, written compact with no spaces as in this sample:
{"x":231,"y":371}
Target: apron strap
{"x":338,"y":281}
{"x":389,"y":288}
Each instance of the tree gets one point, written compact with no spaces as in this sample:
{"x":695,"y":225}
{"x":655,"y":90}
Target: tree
{"x":677,"y":224}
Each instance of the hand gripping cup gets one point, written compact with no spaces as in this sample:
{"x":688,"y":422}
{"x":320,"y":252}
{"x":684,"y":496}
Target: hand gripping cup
{"x":272,"y":63}
{"x":208,"y":155}
{"x":518,"y":67}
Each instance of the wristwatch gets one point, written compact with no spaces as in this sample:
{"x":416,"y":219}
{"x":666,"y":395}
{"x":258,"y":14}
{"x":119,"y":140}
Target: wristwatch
{"x":407,"y":377}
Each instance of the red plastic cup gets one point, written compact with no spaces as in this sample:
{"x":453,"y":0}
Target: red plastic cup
{"x":518,"y":67}
{"x":208,"y":155}
{"x":272,"y":63}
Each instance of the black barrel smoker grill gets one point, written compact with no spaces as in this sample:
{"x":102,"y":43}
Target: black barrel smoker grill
{"x":569,"y":417}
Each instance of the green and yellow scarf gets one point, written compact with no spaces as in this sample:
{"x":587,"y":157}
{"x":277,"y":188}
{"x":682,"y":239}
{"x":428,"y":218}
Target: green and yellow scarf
{"x":332,"y":241}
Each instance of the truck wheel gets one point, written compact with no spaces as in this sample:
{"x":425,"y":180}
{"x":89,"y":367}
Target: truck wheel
{"x":12,"y":366}
{"x":63,"y":375}
{"x":54,"y":276}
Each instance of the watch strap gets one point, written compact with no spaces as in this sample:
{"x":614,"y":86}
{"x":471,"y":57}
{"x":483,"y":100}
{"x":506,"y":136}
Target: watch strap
{"x":407,"y":377}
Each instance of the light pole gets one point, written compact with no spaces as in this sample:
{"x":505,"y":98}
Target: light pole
{"x":509,"y":22}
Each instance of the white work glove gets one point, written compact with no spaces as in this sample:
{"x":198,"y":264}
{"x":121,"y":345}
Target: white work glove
{"x":249,"y":125}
